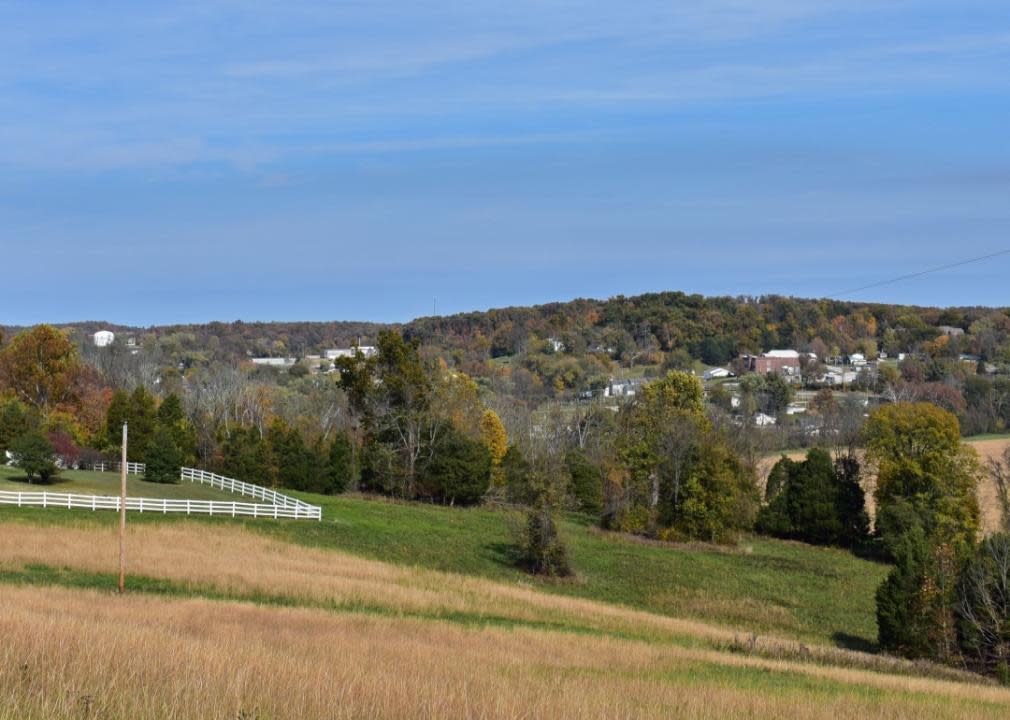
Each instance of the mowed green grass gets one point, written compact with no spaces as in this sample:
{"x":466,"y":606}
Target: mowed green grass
{"x":762,"y":586}
{"x":107,"y":483}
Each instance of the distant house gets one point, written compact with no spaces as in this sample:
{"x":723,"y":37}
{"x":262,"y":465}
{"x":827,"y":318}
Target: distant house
{"x":621,"y":388}
{"x":837,"y":376}
{"x":951,"y":331}
{"x":103,"y":338}
{"x":555,"y":344}
{"x":784,"y":362}
{"x":274,"y":362}
{"x":763,"y":420}
{"x":334,"y":353}
{"x":969,"y":358}
{"x":716,"y":373}
{"x":857,"y":359}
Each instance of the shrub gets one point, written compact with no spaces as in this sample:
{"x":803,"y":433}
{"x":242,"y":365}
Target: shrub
{"x":543,"y":552}
{"x":33,"y":453}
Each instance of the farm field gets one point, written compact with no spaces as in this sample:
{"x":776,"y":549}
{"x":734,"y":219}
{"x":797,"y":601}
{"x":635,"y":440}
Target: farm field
{"x":225,"y":622}
{"x":107,"y":483}
{"x":765,"y":586}
{"x":255,"y":619}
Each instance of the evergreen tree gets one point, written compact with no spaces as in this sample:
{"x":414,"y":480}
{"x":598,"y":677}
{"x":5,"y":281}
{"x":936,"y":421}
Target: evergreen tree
{"x":516,"y":475}
{"x":340,"y":465}
{"x":142,"y":420}
{"x":816,"y":501}
{"x":459,"y":471}
{"x":14,"y":422}
{"x":163,"y":458}
{"x":172,"y":417}
{"x":246,"y":456}
{"x":586,"y":487}
{"x":117,"y":414}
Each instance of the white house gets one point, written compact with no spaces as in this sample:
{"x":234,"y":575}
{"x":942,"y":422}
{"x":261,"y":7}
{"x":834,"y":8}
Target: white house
{"x":103,"y":338}
{"x":556,"y":345}
{"x":334,"y":353}
{"x":836,"y":376}
{"x":715,"y":373}
{"x":274,"y":362}
{"x":621,"y":388}
{"x":763,"y":420}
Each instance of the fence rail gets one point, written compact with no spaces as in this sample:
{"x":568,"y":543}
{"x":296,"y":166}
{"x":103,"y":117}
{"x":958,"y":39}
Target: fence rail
{"x":132,"y":468}
{"x":159,"y":505}
{"x":242,"y":488}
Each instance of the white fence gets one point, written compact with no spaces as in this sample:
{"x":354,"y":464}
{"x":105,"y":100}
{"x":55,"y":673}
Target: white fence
{"x":274,"y":505}
{"x":132,"y":468}
{"x":242,"y":488}
{"x":159,"y":505}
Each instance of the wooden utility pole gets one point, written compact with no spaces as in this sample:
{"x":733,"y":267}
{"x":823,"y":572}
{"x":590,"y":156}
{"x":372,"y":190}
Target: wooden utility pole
{"x":122,"y":518}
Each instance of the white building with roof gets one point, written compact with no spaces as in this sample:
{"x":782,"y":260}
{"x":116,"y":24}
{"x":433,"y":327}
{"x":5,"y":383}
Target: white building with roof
{"x":103,"y":338}
{"x":334,"y":353}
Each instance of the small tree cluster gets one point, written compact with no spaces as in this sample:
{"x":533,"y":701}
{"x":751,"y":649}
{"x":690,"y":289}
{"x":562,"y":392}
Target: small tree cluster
{"x":681,"y":477}
{"x":947,"y":598}
{"x":816,"y":500}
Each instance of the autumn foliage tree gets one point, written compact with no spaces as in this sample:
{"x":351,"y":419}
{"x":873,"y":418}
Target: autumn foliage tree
{"x":927,"y":521}
{"x":40,"y":368}
{"x":682,"y":478}
{"x":495,"y":439}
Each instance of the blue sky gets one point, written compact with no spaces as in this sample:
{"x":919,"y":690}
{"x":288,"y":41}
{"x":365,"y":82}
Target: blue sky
{"x":180,"y":162}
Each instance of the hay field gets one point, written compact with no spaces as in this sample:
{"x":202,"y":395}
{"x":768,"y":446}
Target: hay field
{"x":337,"y":636}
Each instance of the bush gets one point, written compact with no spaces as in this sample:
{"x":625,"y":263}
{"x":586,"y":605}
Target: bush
{"x":543,"y":552}
{"x":33,"y":453}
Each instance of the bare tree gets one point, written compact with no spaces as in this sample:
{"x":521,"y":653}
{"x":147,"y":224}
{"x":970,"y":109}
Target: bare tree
{"x":984,"y":606}
{"x":999,"y":471}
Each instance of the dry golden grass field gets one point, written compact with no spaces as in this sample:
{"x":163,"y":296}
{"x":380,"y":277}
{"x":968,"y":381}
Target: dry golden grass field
{"x":987,"y":449}
{"x":229,"y":623}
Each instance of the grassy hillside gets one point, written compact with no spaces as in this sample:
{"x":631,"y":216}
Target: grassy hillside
{"x":763,"y":586}
{"x":225,"y":622}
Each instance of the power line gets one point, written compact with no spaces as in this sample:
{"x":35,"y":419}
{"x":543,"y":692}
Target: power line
{"x":909,"y":276}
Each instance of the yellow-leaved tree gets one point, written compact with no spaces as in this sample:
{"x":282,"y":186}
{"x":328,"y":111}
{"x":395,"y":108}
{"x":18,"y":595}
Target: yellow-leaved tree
{"x":496,"y":440}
